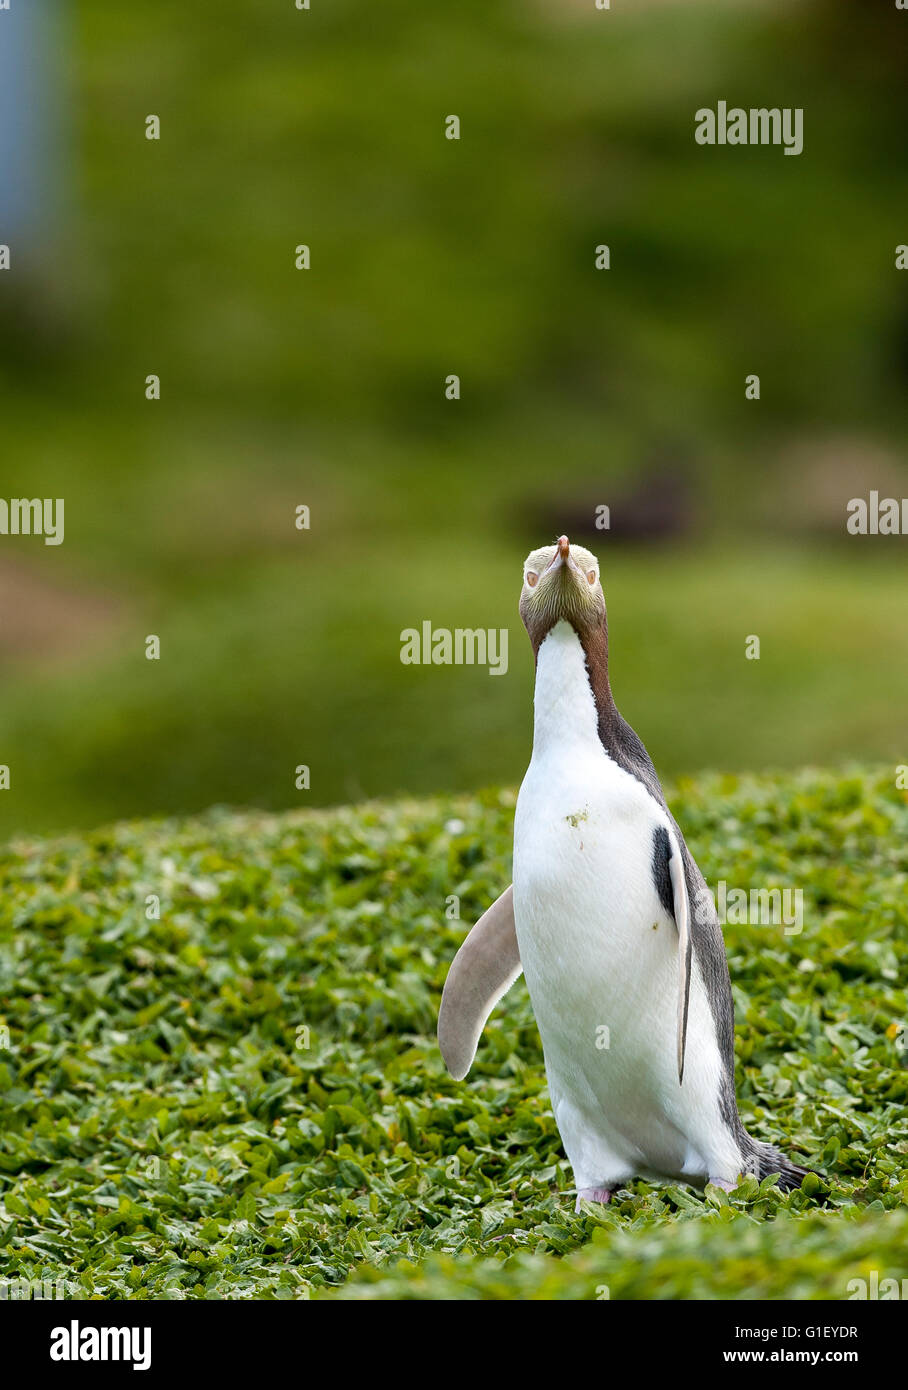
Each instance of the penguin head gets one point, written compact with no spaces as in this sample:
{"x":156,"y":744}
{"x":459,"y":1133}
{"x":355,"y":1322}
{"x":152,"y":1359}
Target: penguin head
{"x":561,"y":581}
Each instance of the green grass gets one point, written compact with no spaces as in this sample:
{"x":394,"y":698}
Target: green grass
{"x":163,"y":1135}
{"x":297,"y":660}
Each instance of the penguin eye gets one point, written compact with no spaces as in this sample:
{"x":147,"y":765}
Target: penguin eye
{"x":532,"y":578}
{"x":591,"y":576}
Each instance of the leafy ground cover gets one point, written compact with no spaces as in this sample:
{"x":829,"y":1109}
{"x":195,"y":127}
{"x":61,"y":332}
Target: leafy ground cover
{"x":242,"y":1097}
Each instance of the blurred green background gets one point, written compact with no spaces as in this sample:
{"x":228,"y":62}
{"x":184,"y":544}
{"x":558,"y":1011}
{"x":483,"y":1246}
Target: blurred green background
{"x":326,"y":388}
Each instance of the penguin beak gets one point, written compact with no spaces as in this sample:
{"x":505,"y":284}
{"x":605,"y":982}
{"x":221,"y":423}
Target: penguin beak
{"x":563,"y":556}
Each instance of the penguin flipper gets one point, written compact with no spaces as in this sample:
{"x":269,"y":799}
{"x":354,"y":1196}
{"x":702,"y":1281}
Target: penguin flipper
{"x":682,"y":921}
{"x":483,"y":970}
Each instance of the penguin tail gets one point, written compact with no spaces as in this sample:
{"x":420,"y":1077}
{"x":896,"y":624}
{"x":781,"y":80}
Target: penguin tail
{"x":762,"y":1161}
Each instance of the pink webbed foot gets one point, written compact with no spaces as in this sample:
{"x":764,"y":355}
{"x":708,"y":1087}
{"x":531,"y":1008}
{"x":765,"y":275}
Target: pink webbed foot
{"x":724,"y":1184}
{"x":592,"y":1194}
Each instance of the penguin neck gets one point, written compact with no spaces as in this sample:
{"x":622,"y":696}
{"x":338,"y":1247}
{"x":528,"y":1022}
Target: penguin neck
{"x":573,"y":703}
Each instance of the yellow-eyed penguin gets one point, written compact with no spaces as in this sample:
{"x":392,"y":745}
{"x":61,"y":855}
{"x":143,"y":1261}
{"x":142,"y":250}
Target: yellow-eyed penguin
{"x":609,"y":921}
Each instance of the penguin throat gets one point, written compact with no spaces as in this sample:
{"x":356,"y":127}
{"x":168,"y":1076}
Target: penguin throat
{"x":573,"y":700}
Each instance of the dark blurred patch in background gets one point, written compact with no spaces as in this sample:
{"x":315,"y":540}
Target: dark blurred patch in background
{"x":581,"y":388}
{"x":658,"y":503}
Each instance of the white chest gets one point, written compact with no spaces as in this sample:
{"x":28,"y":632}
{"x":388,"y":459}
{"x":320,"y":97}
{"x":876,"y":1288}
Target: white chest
{"x":599,"y":951}
{"x":588,"y":914}
{"x":583,"y":830}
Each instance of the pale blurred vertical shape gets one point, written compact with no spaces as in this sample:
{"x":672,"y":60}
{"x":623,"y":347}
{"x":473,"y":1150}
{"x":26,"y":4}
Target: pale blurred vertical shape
{"x":30,"y":132}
